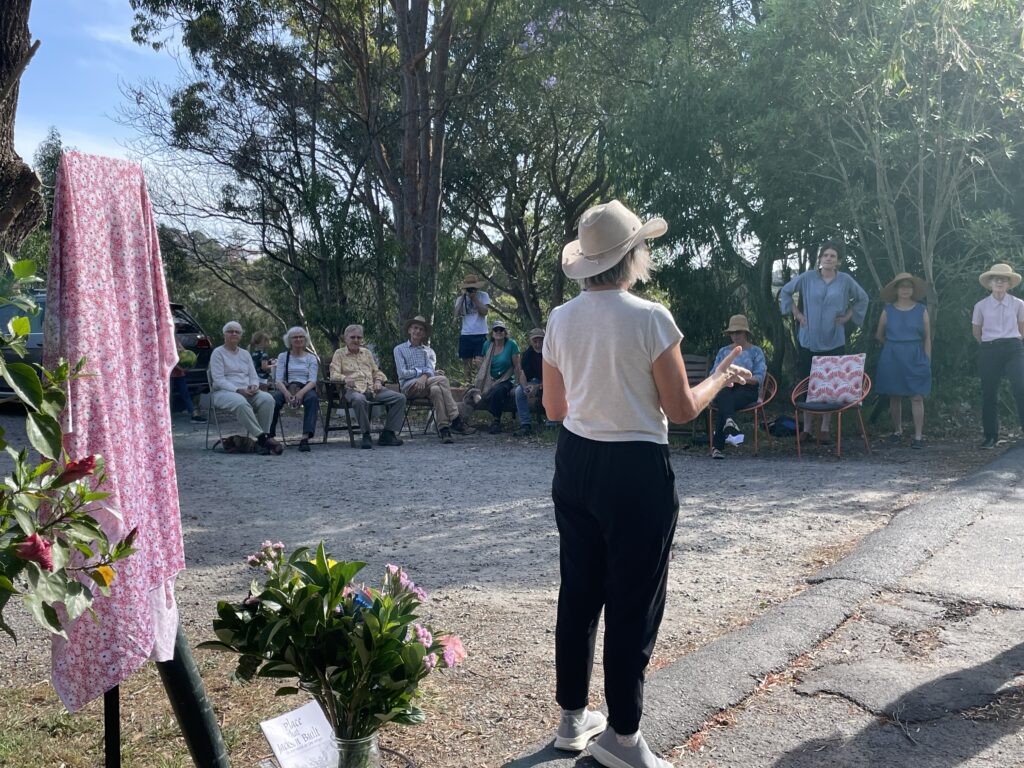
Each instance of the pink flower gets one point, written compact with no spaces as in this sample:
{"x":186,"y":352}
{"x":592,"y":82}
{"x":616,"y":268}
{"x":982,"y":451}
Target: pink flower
{"x":279,"y":546}
{"x":76,"y":470}
{"x":454,"y":652}
{"x":252,"y":560}
{"x":423,"y":636}
{"x":430,"y":660}
{"x":36,"y":549}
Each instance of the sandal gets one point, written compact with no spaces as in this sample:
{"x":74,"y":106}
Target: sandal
{"x":895,"y":437}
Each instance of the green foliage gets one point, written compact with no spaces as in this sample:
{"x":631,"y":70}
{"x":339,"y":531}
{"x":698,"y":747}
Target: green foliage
{"x":53,"y":553}
{"x":360,"y":652}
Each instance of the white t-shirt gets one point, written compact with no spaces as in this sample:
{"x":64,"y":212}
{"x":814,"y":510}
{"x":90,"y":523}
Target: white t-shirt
{"x":604,"y":343}
{"x":473,"y":323}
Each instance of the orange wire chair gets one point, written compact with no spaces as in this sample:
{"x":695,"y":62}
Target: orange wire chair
{"x":824,"y":409}
{"x":769,"y":388}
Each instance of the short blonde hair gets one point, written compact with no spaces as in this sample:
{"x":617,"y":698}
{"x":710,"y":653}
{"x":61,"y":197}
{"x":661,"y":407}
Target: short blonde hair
{"x":634,"y":267}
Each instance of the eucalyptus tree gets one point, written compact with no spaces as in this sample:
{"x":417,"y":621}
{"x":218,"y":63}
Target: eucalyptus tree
{"x":21,"y":205}
{"x":255,"y":154}
{"x":920,"y":106}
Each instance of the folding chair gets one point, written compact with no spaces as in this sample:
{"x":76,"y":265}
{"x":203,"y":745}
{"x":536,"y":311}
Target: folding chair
{"x":769,"y":388}
{"x":214,"y":415}
{"x":420,"y":403}
{"x":837,"y":384}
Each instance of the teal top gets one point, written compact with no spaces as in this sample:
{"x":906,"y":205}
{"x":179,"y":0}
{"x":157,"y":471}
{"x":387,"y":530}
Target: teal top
{"x":501,"y":363}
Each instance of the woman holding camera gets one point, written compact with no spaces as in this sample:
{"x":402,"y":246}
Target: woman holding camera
{"x":471,"y":308}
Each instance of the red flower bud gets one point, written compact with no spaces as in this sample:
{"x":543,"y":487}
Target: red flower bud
{"x":36,"y":549}
{"x":76,"y":470}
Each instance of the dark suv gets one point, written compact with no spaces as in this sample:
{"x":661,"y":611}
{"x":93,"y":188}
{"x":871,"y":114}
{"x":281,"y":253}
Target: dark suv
{"x":186,"y":330}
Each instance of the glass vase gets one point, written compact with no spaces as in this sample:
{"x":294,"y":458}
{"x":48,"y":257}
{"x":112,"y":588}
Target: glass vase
{"x":359,"y":753}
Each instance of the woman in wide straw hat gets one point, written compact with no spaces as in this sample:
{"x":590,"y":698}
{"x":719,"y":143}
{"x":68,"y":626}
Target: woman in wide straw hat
{"x":998,"y":325}
{"x":905,"y":365}
{"x":613,"y":371}
{"x":732,"y":399}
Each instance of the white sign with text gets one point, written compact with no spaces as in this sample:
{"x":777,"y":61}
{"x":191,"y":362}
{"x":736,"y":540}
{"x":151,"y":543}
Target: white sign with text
{"x":302,"y":738}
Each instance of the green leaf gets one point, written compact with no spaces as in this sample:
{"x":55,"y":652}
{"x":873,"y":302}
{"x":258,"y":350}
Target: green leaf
{"x":286,"y":690}
{"x":6,"y":584}
{"x":45,"y":614}
{"x":23,"y":269}
{"x":77,"y":600}
{"x":24,"y":380}
{"x":20,"y":325}
{"x":45,"y":434}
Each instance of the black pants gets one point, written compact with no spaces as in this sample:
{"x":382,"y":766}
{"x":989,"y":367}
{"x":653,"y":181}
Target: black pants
{"x":498,"y":398}
{"x":995,"y":358}
{"x":727,"y":402}
{"x":616,"y":509}
{"x":805,"y":357}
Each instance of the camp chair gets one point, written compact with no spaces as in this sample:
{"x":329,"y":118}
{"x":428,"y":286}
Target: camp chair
{"x":214,"y":415}
{"x":420,"y":403}
{"x":286,"y":411}
{"x":837,"y":384}
{"x":769,"y":387}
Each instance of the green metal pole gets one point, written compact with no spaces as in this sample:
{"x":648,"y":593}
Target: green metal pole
{"x":191,"y":707}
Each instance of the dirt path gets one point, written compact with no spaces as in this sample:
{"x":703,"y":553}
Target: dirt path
{"x":473,"y":523}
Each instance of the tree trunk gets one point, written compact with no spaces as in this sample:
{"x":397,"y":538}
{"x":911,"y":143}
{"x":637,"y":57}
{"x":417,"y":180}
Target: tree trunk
{"x":21,"y":205}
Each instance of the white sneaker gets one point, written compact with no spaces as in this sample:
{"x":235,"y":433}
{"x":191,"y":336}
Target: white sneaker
{"x":610,"y":753}
{"x":731,"y":429}
{"x":572,"y":734}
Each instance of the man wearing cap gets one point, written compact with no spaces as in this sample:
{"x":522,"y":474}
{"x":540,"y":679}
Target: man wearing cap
{"x":354,"y":365}
{"x":998,"y":325}
{"x":731,"y":399}
{"x":471,"y":308}
{"x":419,"y":376}
{"x":533,"y":372}
{"x":236,"y":388}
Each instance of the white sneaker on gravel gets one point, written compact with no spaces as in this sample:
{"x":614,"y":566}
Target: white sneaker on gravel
{"x":574,"y":732}
{"x":610,"y":753}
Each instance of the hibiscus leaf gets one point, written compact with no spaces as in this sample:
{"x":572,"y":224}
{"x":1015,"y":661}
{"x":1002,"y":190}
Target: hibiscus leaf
{"x":45,"y":435}
{"x":24,"y":380}
{"x":45,"y":614}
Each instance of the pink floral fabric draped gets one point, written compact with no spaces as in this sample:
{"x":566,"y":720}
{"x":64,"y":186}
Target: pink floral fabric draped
{"x":107,"y":301}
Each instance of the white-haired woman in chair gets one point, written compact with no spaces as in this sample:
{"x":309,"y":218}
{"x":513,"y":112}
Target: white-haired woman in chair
{"x":614,"y":375}
{"x":297,"y":370}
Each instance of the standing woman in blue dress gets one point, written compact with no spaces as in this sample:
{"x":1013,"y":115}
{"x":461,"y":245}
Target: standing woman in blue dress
{"x":830,"y":300}
{"x":905,"y":367}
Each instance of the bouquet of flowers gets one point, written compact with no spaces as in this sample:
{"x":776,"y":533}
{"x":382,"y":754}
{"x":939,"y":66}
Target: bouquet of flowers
{"x":359,"y":651}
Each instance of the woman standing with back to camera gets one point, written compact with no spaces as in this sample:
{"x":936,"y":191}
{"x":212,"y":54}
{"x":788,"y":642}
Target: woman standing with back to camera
{"x":613,"y":371}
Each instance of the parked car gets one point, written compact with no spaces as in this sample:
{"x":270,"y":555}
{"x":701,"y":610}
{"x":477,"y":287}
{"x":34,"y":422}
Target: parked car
{"x":186,"y":329}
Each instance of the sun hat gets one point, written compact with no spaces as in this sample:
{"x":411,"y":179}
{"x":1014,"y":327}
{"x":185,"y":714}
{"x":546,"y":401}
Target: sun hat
{"x":499,"y":324}
{"x":231,"y":325}
{"x":536,"y":333}
{"x":417,"y":320}
{"x":738,"y":323}
{"x":888,"y":293}
{"x":606,"y":233}
{"x":473,"y":281}
{"x":1000,"y":270}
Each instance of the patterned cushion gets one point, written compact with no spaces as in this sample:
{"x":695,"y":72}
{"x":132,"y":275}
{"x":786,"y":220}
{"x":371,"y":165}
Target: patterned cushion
{"x":836,"y":379}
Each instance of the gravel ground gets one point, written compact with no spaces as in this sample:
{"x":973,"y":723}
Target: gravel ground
{"x":473,"y":524}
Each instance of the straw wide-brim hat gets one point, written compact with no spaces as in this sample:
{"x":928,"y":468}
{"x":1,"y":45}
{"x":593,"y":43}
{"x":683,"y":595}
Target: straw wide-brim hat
{"x":1000,"y":270}
{"x":738,"y":323}
{"x":606,"y":233}
{"x":473,"y":281}
{"x":888,"y":293}
{"x":536,"y":333}
{"x":418,"y":320}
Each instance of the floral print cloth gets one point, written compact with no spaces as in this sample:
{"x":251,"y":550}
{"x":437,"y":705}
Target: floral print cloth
{"x":107,"y":301}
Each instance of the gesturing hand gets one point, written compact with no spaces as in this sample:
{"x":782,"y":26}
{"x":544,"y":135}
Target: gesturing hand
{"x":734,"y":374}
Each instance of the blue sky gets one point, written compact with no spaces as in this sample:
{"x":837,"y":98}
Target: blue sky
{"x":74,"y":79}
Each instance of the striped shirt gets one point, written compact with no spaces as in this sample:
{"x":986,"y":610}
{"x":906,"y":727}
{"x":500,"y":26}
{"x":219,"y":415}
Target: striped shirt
{"x":412,"y":362}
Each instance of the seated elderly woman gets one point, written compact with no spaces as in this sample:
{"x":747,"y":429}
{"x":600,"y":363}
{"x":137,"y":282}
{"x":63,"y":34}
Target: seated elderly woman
{"x":297,"y":370}
{"x":236,"y":389}
{"x":732,"y":399}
